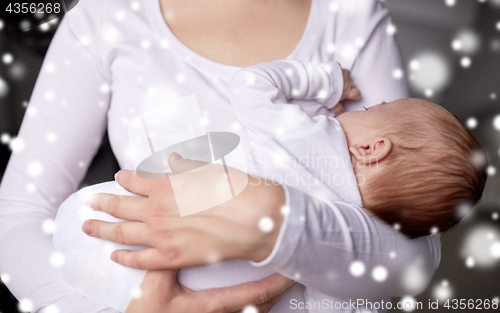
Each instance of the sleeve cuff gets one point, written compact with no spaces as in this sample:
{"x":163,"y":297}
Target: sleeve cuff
{"x":290,"y":232}
{"x":338,"y":86}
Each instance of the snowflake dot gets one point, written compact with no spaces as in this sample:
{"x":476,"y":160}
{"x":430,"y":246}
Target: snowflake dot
{"x":7,"y":58}
{"x":35,"y":168}
{"x":250,"y":309}
{"x":48,"y":226}
{"x":25,"y":305}
{"x":136,"y":293}
{"x":266,"y":224}
{"x":57,"y":259}
{"x":465,"y":62}
{"x":5,"y":278}
{"x":379,"y":274}
{"x":496,"y":122}
{"x":470,"y":262}
{"x":51,"y":309}
{"x":357,"y":268}
{"x":471,"y":122}
{"x":136,"y":6}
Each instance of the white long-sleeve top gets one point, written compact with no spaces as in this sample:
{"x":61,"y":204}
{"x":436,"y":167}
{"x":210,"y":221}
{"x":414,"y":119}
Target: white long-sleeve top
{"x":111,"y":60}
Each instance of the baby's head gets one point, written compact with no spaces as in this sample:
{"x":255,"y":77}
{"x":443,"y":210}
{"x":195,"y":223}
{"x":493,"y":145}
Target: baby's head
{"x":417,"y":166}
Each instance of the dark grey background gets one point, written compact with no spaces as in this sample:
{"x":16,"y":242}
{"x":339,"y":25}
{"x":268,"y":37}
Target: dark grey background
{"x":423,"y":26}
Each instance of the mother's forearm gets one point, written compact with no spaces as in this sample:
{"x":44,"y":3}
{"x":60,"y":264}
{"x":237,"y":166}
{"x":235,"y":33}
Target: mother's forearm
{"x":340,"y":250}
{"x":261,"y":204}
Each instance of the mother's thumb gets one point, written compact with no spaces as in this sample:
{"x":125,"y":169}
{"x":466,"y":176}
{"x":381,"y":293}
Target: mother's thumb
{"x":180,"y":165}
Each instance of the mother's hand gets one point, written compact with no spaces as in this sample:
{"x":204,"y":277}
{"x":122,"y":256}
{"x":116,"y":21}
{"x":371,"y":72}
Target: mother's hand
{"x":228,"y":231}
{"x":160,"y":293}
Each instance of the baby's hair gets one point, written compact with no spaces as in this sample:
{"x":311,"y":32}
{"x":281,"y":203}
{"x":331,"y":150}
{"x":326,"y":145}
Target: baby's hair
{"x":432,"y":173}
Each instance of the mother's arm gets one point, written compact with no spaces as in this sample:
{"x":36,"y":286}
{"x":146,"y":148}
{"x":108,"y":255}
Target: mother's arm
{"x":61,"y":132}
{"x":340,"y":250}
{"x":333,"y":247}
{"x":160,"y":293}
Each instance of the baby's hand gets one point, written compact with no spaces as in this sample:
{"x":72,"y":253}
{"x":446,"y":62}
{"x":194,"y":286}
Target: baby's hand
{"x":337,"y":109}
{"x":350,"y":91}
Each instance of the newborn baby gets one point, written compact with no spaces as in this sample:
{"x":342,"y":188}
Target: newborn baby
{"x":415,"y":162}
{"x":419,"y":167}
{"x":412,"y":164}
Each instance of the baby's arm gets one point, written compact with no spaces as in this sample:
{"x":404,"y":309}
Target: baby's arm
{"x":299,"y":148}
{"x":261,"y":95}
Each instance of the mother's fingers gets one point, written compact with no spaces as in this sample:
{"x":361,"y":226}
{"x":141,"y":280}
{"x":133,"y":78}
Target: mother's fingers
{"x":138,"y":185}
{"x":232,"y":299}
{"x":180,"y":165}
{"x":127,"y":233}
{"x":147,"y":259}
{"x":267,"y":306}
{"x":124,"y":207}
{"x":162,"y":281}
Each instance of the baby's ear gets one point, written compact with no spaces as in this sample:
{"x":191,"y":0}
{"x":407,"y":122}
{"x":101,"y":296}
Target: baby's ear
{"x":372,"y":152}
{"x":382,"y":147}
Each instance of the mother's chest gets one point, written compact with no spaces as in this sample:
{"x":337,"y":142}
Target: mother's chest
{"x":144,"y":81}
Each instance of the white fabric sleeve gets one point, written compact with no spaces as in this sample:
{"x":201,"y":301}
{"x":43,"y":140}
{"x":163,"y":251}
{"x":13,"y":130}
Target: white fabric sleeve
{"x":370,"y":51}
{"x":261,"y":94}
{"x":340,"y":250}
{"x":60,"y":134}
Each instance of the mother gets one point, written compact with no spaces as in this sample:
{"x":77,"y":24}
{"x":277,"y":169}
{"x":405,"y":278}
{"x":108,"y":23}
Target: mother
{"x":111,"y":60}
